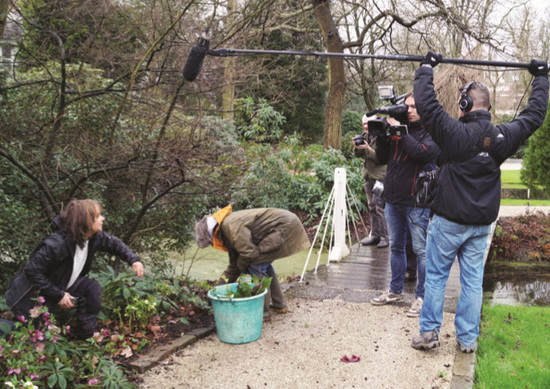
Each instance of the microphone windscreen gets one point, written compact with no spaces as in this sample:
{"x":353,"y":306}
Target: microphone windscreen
{"x":194,"y":62}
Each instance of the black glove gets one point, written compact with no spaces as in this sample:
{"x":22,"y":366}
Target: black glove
{"x":538,"y":68}
{"x":432,"y":59}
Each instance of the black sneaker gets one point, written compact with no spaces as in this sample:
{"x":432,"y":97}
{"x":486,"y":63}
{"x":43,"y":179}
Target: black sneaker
{"x":370,"y":241}
{"x":426,"y":340}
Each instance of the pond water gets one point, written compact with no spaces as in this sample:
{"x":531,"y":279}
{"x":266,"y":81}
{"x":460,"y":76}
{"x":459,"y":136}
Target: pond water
{"x":503,"y":283}
{"x":209,"y":263}
{"x":517,"y":284}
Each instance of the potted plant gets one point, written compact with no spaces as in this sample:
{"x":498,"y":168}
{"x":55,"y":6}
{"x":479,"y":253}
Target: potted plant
{"x":238,"y":309}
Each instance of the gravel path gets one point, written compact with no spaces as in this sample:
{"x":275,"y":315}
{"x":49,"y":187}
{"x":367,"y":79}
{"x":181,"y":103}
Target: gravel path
{"x":302,"y":349}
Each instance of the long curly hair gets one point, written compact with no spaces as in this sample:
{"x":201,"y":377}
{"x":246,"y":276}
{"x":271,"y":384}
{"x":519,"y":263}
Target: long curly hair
{"x":77,"y":219}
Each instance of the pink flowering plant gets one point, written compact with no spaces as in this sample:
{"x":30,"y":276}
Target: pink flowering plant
{"x":37,"y":353}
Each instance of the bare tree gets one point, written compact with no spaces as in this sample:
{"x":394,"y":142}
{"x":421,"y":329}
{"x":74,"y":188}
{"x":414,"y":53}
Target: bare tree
{"x":69,"y":130}
{"x":404,"y":27}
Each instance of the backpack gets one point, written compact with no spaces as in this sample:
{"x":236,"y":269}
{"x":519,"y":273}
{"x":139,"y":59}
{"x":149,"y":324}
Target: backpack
{"x":426,"y":186}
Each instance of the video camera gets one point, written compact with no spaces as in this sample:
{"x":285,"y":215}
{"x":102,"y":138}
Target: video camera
{"x":397,"y":110}
{"x":381,"y":127}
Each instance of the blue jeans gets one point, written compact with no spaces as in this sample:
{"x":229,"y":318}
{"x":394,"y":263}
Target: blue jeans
{"x":275,"y":295}
{"x":446,"y":241}
{"x":400,"y":218}
{"x":261,"y":270}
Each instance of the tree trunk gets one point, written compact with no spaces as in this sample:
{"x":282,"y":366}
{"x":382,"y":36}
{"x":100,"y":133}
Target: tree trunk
{"x":336,"y":74}
{"x":229,"y":73}
{"x":4,"y":9}
{"x":228,"y":95}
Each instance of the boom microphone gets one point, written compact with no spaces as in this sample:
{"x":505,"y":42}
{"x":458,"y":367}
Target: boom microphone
{"x":394,"y":57}
{"x":194,"y":59}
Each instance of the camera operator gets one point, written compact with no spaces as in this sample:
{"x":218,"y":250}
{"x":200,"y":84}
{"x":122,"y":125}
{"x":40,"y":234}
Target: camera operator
{"x":406,"y":155}
{"x":468,"y":196}
{"x":365,"y":145}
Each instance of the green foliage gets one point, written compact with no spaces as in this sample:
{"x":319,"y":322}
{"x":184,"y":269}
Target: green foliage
{"x":294,"y":177}
{"x":98,"y":33}
{"x":37,"y":353}
{"x":351,"y":126}
{"x":351,"y":123}
{"x":536,"y":164}
{"x":247,"y":287}
{"x":92,"y":158}
{"x":133,"y":301}
{"x":295,"y":86}
{"x":258,"y":121}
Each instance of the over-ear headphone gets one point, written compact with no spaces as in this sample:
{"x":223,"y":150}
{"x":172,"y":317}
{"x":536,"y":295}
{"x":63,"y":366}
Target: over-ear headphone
{"x":466,"y":103}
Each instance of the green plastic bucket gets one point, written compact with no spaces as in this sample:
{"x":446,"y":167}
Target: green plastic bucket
{"x":238,"y":320}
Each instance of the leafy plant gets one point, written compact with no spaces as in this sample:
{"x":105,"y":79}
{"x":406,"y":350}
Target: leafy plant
{"x":258,"y":121}
{"x":247,"y":287}
{"x":536,"y":165}
{"x":133,"y":301}
{"x":300,"y":178}
{"x":38,"y":353}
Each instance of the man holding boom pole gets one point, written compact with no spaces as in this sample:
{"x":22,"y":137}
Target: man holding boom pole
{"x":467,"y":200}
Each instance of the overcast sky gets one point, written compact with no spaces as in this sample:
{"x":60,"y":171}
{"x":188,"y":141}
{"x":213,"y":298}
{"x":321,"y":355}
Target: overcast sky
{"x":539,"y":4}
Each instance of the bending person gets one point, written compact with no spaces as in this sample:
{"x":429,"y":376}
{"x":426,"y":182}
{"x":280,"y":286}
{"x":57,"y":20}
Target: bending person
{"x":57,"y":268}
{"x":254,"y":238}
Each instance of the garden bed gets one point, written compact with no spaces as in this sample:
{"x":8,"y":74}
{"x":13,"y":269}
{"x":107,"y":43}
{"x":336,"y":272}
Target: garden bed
{"x":523,"y":238}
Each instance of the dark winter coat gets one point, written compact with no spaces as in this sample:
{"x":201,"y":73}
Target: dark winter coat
{"x":472,"y":150}
{"x":406,"y":158}
{"x":254,"y":236}
{"x":50,"y":266}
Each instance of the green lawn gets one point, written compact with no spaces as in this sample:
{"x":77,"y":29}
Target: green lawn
{"x":514,"y":348}
{"x":510,"y":180}
{"x":510,"y":177}
{"x":525,"y":202}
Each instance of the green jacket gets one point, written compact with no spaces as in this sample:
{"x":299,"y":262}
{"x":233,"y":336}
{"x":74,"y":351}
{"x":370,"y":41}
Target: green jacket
{"x":372,"y":169}
{"x":260,"y":235}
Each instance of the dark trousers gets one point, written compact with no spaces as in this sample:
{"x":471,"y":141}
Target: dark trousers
{"x":378,"y":228}
{"x":88,"y":305}
{"x":274,"y":296}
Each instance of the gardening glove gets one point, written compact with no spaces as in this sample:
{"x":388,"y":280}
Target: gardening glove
{"x":432,"y":59}
{"x":538,"y":68}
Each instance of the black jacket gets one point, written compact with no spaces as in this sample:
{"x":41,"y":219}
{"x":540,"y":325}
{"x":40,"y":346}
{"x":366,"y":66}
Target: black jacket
{"x":405,"y":158}
{"x":472,"y":150}
{"x":50,"y":266}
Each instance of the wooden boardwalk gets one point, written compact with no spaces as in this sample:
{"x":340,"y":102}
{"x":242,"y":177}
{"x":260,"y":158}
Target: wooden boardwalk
{"x":367,"y":268}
